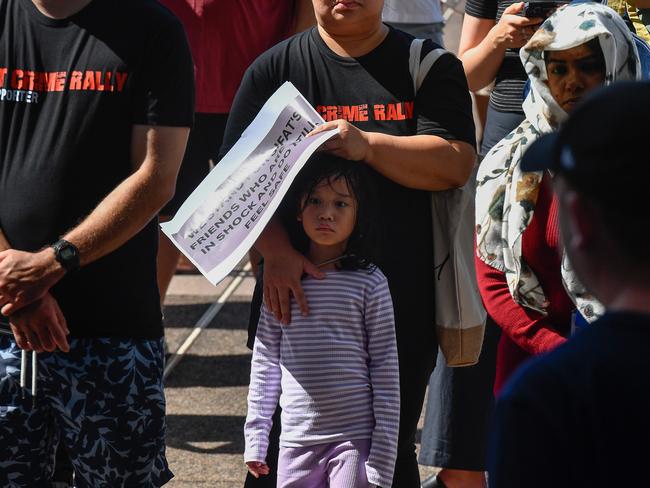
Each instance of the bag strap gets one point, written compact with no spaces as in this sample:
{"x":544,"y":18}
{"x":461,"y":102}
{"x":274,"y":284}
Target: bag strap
{"x":419,"y":69}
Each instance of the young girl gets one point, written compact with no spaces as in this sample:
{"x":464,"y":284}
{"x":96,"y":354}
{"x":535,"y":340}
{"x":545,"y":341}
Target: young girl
{"x":335,"y":371}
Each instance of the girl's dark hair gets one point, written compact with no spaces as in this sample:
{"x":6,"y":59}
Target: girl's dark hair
{"x":325,"y":167}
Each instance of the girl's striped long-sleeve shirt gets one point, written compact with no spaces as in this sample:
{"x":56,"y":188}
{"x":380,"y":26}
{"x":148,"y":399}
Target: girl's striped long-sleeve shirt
{"x":335,"y":371}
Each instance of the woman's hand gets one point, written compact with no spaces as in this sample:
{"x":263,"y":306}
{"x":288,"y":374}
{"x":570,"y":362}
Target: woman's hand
{"x":350,"y":143}
{"x":256,"y":468}
{"x":512,"y":30}
{"x":282,"y":278}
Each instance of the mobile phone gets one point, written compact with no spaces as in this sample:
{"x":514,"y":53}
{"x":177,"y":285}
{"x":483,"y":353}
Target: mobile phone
{"x":541,"y":10}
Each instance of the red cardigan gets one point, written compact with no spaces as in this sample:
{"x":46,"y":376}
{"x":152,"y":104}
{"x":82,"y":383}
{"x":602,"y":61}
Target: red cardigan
{"x":527,"y":332}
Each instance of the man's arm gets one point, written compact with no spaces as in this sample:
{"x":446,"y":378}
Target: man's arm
{"x":156,"y":154}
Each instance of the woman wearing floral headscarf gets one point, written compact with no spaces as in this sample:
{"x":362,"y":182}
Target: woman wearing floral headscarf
{"x":526,"y":282}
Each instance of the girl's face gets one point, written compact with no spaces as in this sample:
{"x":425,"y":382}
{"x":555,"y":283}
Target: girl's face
{"x":573,"y":73}
{"x":329,"y":214}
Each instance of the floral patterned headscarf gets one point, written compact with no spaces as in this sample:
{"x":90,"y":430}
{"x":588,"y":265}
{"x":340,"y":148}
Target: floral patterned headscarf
{"x":506,"y":195}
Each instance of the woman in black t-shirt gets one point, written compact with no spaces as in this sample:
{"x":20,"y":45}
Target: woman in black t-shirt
{"x":353,"y":67}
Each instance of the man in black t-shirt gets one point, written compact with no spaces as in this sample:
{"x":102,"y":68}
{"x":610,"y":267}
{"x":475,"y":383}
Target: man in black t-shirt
{"x":96,"y":101}
{"x":578,"y":417}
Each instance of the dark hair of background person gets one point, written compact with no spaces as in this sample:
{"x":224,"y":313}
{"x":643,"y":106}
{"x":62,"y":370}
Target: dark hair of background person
{"x":359,"y":252}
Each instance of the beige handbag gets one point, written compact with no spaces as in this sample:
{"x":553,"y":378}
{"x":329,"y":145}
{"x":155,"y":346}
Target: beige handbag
{"x":460,"y":315}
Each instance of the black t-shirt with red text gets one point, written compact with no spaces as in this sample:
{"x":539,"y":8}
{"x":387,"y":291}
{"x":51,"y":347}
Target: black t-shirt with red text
{"x":70,"y":92}
{"x":375,"y":93}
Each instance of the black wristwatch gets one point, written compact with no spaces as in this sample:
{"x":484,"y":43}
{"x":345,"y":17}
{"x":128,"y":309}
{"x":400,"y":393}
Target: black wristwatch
{"x":66,"y":254}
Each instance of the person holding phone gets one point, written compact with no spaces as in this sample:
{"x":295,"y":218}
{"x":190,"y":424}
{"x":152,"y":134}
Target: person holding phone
{"x":527,"y":283}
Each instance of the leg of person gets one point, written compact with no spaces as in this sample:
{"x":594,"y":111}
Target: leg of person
{"x":415,"y":364}
{"x":417,"y":347}
{"x":303,"y":467}
{"x":460,"y":399}
{"x":202,"y":146}
{"x":28,"y":435}
{"x":272,"y":453}
{"x":346,"y":464}
{"x":107,"y":399}
{"x":458,"y":412}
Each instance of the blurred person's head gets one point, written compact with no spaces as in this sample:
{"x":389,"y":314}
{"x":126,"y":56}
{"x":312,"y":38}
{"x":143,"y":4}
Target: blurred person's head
{"x":348,"y":17}
{"x":600,"y":161}
{"x":580,"y":47}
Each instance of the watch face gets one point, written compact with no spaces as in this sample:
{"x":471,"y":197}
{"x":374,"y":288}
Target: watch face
{"x":67,"y":253}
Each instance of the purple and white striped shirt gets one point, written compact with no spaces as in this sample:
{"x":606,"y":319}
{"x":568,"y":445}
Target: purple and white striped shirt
{"x":335,"y":372}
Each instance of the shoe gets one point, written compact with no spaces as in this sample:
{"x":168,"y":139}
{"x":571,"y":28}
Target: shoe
{"x":433,"y":482}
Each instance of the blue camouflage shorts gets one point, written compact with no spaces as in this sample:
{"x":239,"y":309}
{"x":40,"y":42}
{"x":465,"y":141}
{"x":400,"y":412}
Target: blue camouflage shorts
{"x":103,"y":400}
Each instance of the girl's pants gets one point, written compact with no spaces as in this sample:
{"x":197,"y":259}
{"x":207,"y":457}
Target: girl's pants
{"x":337,"y":465}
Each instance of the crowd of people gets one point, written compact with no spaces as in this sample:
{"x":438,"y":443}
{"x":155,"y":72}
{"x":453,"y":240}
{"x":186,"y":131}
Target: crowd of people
{"x":112,"y":112}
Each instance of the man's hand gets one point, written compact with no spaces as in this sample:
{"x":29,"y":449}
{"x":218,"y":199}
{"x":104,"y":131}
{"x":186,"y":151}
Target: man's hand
{"x":25,"y":277}
{"x":282,"y":275}
{"x":350,"y":143}
{"x":40,"y":326}
{"x":257,"y":468}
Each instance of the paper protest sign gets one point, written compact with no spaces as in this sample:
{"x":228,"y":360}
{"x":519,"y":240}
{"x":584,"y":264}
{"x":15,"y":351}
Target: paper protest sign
{"x":225,"y":215}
